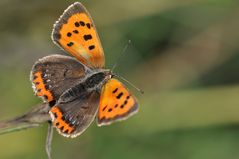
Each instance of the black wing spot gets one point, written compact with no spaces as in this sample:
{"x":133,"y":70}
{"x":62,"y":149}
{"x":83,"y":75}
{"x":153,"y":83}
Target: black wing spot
{"x":116,"y":105}
{"x":39,"y":90}
{"x":109,"y":110}
{"x":125,"y":102}
{"x":67,"y":119}
{"x":77,"y":24}
{"x":104,"y":108}
{"x":63,"y":118}
{"x":116,"y":89}
{"x":127,"y":97}
{"x":52,"y":103}
{"x":75,"y":31}
{"x":47,"y":87}
{"x":67,"y":130}
{"x":91,"y":47}
{"x":119,"y":95}
{"x":87,"y":37}
{"x":62,"y":128}
{"x":122,"y":106}
{"x":68,"y":34}
{"x":37,"y":83}
{"x":88,"y":25}
{"x":57,"y":123}
{"x":45,"y":96}
{"x":55,"y":115}
{"x":70,"y":44}
{"x":44,"y":80}
{"x":71,"y":125}
{"x":82,"y":23}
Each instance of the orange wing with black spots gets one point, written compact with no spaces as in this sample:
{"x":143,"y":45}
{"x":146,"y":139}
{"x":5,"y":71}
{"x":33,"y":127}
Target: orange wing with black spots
{"x":75,"y":32}
{"x":116,"y":103}
{"x":52,"y":75}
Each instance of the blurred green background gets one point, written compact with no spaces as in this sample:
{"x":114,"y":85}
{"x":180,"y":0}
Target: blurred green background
{"x":184,"y":55}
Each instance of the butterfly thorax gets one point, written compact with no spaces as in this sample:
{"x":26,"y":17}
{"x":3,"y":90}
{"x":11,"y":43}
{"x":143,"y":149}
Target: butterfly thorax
{"x":94,"y":81}
{"x":97,"y":79}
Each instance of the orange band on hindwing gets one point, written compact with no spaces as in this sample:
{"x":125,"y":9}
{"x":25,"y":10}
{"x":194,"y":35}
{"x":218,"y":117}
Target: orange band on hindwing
{"x":59,"y":122}
{"x":40,"y":87}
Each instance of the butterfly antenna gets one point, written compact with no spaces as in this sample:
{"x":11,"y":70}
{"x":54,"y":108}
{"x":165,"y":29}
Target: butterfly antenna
{"x":123,"y":53}
{"x":138,"y":89}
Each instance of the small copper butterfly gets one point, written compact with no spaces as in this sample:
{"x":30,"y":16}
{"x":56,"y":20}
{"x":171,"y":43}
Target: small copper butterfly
{"x":79,"y":89}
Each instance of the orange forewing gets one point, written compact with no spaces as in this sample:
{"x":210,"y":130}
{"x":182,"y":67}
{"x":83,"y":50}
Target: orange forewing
{"x":75,"y":32}
{"x":116,"y":103}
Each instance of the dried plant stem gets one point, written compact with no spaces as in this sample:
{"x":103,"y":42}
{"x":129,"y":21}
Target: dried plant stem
{"x":37,"y":115}
{"x":49,"y":140}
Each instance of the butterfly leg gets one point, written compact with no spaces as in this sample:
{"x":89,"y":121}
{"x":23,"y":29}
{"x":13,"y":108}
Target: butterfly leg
{"x":49,"y":140}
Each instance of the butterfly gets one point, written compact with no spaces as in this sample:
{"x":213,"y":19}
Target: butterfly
{"x":79,"y":89}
